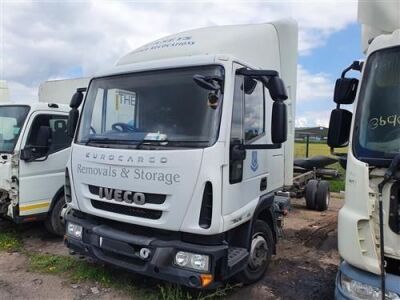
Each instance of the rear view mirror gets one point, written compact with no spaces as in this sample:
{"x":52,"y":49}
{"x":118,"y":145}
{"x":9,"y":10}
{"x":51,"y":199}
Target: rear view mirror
{"x":41,"y":145}
{"x":73,"y":118}
{"x":207,"y":82}
{"x":249,"y":85}
{"x":345,"y":90}
{"x":77,"y":99}
{"x":277,"y":88}
{"x":339,"y":128}
{"x":279,"y":122}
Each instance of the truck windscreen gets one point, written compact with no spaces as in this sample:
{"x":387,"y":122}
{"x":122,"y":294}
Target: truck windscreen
{"x":165,"y":107}
{"x":12,"y":119}
{"x":377,"y":123}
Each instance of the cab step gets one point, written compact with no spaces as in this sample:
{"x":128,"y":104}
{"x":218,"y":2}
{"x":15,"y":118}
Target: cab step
{"x":237,"y":259}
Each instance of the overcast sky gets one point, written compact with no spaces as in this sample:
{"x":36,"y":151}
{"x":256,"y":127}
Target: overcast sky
{"x":42,"y":40}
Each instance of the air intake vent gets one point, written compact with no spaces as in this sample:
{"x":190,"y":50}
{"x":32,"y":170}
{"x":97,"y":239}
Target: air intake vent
{"x":67,"y":187}
{"x":206,"y":207}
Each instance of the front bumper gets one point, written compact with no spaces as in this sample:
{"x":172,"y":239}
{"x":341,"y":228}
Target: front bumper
{"x":392,"y":281}
{"x":121,"y":247}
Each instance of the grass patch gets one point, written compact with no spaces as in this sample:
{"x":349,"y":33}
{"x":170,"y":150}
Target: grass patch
{"x":9,"y":241}
{"x":138,"y":287}
{"x":76,"y":270}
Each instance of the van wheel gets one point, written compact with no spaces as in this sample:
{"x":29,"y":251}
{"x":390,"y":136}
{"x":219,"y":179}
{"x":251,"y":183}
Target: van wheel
{"x":55,"y":223}
{"x":311,"y":191}
{"x":323,"y":196}
{"x":262,"y":245}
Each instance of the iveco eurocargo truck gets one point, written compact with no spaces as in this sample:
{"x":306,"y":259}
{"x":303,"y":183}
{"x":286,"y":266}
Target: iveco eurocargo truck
{"x":180,"y":153}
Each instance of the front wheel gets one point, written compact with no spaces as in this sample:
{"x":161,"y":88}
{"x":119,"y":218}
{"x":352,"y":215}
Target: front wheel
{"x":262,"y":245}
{"x":55,"y":223}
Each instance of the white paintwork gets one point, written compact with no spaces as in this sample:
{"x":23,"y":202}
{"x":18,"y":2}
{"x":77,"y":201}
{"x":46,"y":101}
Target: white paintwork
{"x":377,"y":18}
{"x":270,"y":46}
{"x":358,"y":231}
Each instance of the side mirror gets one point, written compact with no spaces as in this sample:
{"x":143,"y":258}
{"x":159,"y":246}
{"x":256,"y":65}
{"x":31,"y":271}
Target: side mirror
{"x":76,"y":99}
{"x":279,"y":122}
{"x":26,"y":154}
{"x":73,"y":118}
{"x":41,"y":145}
{"x":277,"y":88}
{"x":207,"y":82}
{"x":339,"y":128}
{"x":345,"y":90}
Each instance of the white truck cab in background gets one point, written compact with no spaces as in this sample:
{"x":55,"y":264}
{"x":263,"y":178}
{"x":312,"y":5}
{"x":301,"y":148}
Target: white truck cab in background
{"x":369,"y":222}
{"x":180,"y":152}
{"x":34,"y":149}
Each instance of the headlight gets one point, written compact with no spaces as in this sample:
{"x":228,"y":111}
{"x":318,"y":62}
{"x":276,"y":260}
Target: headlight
{"x":192,"y":261}
{"x":359,"y":290}
{"x":74,"y":230}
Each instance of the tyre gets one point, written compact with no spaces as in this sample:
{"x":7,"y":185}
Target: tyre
{"x":311,"y":191}
{"x":322,"y":196}
{"x":55,"y":219}
{"x":262,"y":245}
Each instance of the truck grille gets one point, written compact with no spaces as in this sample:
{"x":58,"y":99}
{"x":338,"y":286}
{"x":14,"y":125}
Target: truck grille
{"x":127,"y":210}
{"x":150,"y":198}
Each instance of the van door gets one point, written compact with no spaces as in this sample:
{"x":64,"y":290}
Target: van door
{"x":40,"y":180}
{"x":250,"y":178}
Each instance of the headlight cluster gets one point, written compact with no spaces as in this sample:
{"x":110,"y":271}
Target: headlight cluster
{"x":359,"y":290}
{"x":74,"y":230}
{"x":193,"y":261}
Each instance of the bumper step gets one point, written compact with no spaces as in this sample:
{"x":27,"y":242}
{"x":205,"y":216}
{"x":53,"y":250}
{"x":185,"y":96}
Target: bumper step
{"x":237,"y":258}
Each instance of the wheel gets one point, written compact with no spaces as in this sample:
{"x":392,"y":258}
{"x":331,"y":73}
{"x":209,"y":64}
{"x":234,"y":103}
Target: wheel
{"x":55,"y":220}
{"x":262,"y":245}
{"x":323,"y":196}
{"x":311,"y":191}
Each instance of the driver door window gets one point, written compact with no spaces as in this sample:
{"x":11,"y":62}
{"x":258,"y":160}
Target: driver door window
{"x":59,"y":136}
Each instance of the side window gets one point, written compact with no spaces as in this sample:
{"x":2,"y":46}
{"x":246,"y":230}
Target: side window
{"x":236,"y":165}
{"x":254,"y":113}
{"x":59,"y":135}
{"x":237,"y":112}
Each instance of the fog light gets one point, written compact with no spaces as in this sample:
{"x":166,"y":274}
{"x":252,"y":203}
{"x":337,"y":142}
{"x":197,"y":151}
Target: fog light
{"x":359,"y":290}
{"x":192,"y":261}
{"x":74,"y":230}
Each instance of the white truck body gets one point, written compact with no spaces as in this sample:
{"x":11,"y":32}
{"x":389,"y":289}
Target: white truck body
{"x":102,"y":175}
{"x":30,"y":187}
{"x":370,"y":152}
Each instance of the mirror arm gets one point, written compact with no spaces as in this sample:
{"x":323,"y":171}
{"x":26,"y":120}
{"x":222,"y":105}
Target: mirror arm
{"x":356,"y":66}
{"x":263,"y":146}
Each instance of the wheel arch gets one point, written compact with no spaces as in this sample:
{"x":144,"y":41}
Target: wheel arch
{"x":265,"y":212}
{"x":57,"y":195}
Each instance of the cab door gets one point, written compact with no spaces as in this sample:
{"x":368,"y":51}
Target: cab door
{"x":40,"y":179}
{"x":249,"y":174}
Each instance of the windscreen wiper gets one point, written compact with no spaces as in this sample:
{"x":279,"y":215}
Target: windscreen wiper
{"x":168,"y":142}
{"x":109,"y":141}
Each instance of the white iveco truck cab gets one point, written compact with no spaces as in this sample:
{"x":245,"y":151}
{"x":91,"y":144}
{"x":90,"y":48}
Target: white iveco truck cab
{"x":34,"y":149}
{"x":180,"y":153}
{"x":369,"y":222}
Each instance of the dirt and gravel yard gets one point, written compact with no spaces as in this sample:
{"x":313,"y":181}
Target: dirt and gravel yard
{"x":35,"y":265}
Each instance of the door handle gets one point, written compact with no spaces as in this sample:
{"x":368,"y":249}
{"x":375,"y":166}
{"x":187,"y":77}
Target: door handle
{"x":263,"y":184}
